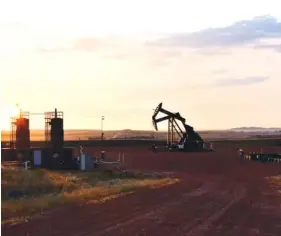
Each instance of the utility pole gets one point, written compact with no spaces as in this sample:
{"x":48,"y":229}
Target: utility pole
{"x":102,"y":133}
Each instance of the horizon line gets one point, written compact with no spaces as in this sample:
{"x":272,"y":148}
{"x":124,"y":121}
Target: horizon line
{"x":6,"y":130}
{"x":146,"y":130}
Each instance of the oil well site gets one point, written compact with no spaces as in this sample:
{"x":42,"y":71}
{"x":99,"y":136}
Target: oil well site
{"x":185,"y":185}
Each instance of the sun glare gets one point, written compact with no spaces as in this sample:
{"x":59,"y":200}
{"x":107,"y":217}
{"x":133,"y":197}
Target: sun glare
{"x":12,"y":110}
{"x":8,"y":111}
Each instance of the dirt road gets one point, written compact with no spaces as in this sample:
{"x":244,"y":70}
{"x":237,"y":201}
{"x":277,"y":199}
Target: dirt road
{"x":218,"y":195}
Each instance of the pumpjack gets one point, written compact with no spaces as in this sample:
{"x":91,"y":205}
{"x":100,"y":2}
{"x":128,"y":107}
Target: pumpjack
{"x":189,"y":140}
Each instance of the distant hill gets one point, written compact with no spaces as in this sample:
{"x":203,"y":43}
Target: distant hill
{"x":255,"y":129}
{"x":93,"y":134}
{"x":235,"y":133}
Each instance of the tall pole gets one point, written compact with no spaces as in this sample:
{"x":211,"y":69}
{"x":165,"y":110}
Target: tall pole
{"x":102,"y":134}
{"x":153,"y":130}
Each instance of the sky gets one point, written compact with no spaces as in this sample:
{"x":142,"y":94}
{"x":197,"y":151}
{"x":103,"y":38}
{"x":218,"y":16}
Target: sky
{"x":216,"y":62}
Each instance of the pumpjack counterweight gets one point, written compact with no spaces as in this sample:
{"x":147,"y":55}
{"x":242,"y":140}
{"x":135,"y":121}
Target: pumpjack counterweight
{"x":189,"y":140}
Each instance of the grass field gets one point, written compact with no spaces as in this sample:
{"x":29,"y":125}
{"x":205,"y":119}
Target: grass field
{"x":25,"y":192}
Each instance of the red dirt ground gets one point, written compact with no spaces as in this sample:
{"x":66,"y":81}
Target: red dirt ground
{"x":218,"y":194}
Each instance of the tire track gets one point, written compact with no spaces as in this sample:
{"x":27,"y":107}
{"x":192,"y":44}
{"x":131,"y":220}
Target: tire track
{"x":249,"y":217}
{"x":174,"y":214}
{"x":154,"y":214}
{"x":217,"y":213}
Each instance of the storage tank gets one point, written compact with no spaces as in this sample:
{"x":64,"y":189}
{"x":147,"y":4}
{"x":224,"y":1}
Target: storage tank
{"x":57,"y":133}
{"x":22,"y":133}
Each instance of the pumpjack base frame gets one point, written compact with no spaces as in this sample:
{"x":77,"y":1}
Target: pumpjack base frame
{"x":175,"y":149}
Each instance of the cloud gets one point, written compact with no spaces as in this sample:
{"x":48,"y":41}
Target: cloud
{"x":83,"y":45}
{"x":211,"y":52}
{"x":53,"y":50}
{"x":116,"y":48}
{"x":87,"y":44}
{"x":11,"y":26}
{"x":220,"y":71}
{"x":269,"y":46}
{"x":241,"y":82}
{"x":116,"y":56}
{"x":162,"y":57}
{"x":239,"y":33}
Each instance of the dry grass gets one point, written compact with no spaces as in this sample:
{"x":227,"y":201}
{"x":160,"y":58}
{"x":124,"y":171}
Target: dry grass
{"x":25,"y":192}
{"x":19,"y":182}
{"x":275,"y":182}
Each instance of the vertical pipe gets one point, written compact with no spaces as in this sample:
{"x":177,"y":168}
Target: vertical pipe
{"x":172,"y":139}
{"x":168,"y":131}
